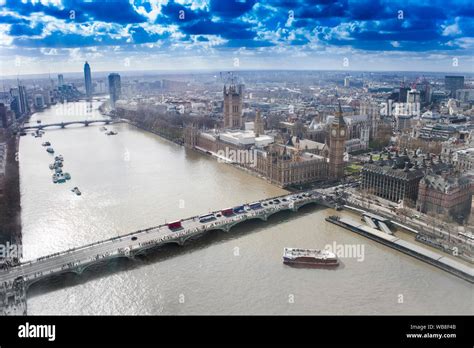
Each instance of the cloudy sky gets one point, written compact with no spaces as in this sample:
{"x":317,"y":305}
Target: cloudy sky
{"x":41,"y":36}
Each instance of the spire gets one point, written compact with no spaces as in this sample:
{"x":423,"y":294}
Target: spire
{"x":339,"y":119}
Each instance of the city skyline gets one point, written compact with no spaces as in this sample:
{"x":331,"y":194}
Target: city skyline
{"x":240,"y":35}
{"x":237,"y":158}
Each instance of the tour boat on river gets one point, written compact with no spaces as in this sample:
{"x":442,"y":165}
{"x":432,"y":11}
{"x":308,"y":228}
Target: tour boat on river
{"x":309,"y":257}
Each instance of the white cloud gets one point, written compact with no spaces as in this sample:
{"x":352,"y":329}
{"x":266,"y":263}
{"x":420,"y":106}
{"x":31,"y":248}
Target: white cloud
{"x":453,"y":29}
{"x":49,"y":52}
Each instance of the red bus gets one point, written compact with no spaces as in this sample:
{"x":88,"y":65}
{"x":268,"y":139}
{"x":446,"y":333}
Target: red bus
{"x":227,"y":212}
{"x":175,"y":225}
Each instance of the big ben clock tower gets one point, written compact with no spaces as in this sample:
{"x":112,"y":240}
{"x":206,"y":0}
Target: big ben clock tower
{"x":337,"y":136}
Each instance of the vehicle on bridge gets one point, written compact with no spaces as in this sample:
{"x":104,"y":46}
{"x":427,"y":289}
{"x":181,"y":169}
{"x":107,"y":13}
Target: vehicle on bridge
{"x":206,"y":218}
{"x":255,"y":205}
{"x":227,"y":212}
{"x":175,"y":225}
{"x":239,"y":209}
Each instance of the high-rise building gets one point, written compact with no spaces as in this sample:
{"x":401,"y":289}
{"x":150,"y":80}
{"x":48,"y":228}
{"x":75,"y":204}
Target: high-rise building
{"x":114,"y":88}
{"x":465,"y":95}
{"x":39,"y":101}
{"x":347,"y":81}
{"x":403,"y":95}
{"x":20,"y":101}
{"x":3,"y":115}
{"x":60,"y":80}
{"x":24,"y":99}
{"x":233,"y":100}
{"x":413,"y":96}
{"x":453,"y":83}
{"x":88,"y":80}
{"x":338,"y":134}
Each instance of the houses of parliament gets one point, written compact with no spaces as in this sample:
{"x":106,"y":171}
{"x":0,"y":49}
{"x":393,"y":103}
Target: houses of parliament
{"x":282,"y":159}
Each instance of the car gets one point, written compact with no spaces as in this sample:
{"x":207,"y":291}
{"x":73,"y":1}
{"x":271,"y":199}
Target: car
{"x":264,"y":204}
{"x":270,"y":202}
{"x":284,"y":200}
{"x":276,"y":201}
{"x":134,"y":238}
{"x":218,"y":215}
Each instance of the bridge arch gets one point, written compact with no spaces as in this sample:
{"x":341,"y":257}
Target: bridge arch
{"x":30,"y":282}
{"x":304,"y":204}
{"x":279,"y":211}
{"x":105,"y":260}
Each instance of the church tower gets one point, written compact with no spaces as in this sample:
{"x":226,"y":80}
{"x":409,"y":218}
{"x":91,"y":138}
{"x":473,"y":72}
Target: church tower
{"x":337,"y":136}
{"x":233,"y":100}
{"x":258,"y":127}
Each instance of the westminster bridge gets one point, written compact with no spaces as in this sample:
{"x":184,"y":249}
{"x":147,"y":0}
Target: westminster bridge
{"x":76,"y":260}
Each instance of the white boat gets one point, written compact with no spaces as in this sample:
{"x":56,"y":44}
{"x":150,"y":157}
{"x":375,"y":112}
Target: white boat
{"x":309,"y":257}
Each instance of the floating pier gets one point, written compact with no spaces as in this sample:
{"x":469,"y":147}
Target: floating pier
{"x":443,"y":262}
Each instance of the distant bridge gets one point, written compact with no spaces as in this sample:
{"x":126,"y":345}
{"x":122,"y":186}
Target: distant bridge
{"x":65,"y":124}
{"x":130,"y":245}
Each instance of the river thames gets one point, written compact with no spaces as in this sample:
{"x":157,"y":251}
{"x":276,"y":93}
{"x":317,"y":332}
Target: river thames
{"x":135,"y":180}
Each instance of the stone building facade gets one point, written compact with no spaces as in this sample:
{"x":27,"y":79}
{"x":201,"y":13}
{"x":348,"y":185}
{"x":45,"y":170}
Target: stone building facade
{"x":448,"y":196}
{"x":394,"y":178}
{"x":282,"y":165}
{"x":397,"y":178}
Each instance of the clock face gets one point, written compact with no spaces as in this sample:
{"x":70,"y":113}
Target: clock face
{"x":343,"y":132}
{"x":334,"y":132}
